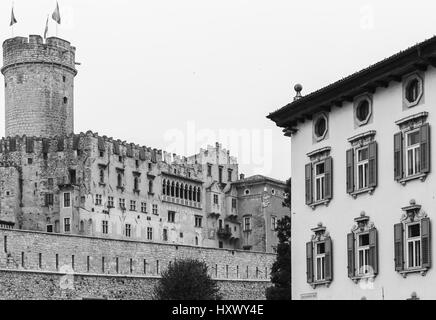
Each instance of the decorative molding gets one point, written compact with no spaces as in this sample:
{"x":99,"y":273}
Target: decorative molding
{"x":412,"y":213}
{"x":370,"y":191}
{"x":420,"y":176}
{"x":413,"y":121}
{"x":363,"y":223}
{"x":320,"y":233}
{"x":325,"y":202}
{"x":368,"y":135}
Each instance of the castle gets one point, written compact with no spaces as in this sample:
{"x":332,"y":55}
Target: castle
{"x":91,"y":188}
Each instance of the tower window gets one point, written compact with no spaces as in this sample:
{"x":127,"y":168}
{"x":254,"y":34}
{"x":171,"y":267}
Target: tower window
{"x":64,"y":79}
{"x":65,"y":100}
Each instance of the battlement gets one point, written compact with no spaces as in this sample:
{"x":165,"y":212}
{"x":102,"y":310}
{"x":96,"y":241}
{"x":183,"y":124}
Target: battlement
{"x":22,"y":50}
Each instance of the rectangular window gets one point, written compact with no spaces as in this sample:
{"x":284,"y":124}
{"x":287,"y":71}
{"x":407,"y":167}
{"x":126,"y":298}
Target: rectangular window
{"x":98,"y":199}
{"x":215,"y":199}
{"x":320,"y":261}
{"x":67,"y":200}
{"x":110,"y":202}
{"x":220,"y":174}
{"x":171,"y":216}
{"x":413,"y":245}
{"x":122,"y":203}
{"x":132,"y":205}
{"x":413,"y":147}
{"x":209,"y":170}
{"x":362,"y":168}
{"x":165,"y":235}
{"x":48,"y":199}
{"x":273,"y":223}
{"x":247,"y":223}
{"x":101,"y":176}
{"x":50,"y":228}
{"x":319,"y":181}
{"x":105,"y":228}
{"x":233,"y":204}
{"x":154,"y":209}
{"x":67,"y":225}
{"x":229,"y":175}
{"x":128,"y":230}
{"x":198,"y":221}
{"x":149,"y":233}
{"x":144,"y":207}
{"x":363,"y":254}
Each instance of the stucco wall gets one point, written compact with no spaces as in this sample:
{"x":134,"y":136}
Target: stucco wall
{"x":383,"y":207}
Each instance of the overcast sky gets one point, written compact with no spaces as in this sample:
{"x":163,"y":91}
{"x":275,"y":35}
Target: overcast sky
{"x":177,"y":75}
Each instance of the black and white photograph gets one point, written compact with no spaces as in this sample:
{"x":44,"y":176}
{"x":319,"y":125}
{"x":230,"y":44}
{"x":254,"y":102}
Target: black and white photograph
{"x":233,"y":152}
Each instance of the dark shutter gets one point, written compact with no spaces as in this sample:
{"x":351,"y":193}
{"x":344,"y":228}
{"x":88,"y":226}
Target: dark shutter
{"x":29,"y":145}
{"x":350,"y":170}
{"x":351,"y":255}
{"x":425,"y":148}
{"x":328,"y":178}
{"x":398,"y":247}
{"x":373,"y":250}
{"x":426,"y":242}
{"x":398,"y":156}
{"x":372,"y":164}
{"x":308,"y":179}
{"x":328,"y":260}
{"x":309,"y":262}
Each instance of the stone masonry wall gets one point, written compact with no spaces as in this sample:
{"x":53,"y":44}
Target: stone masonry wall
{"x":115,"y":268}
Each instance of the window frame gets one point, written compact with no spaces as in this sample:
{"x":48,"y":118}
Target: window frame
{"x":322,"y":183}
{"x":67,"y":222}
{"x":247,"y":226}
{"x":414,"y":240}
{"x":64,"y":200}
{"x":365,"y":249}
{"x":416,"y":150}
{"x":319,"y":256}
{"x":365,"y":164}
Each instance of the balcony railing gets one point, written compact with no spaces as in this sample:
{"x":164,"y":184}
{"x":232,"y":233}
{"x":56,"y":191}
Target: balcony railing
{"x":224,"y":233}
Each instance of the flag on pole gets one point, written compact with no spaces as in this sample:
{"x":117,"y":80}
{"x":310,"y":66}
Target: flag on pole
{"x":46,"y":28}
{"x":13,"y":20}
{"x":56,"y":14}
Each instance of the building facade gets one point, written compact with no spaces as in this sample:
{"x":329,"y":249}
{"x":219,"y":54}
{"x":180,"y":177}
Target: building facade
{"x":55,"y":181}
{"x":363,"y":194}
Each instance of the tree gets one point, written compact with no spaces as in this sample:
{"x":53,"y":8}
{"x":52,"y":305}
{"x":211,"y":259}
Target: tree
{"x":186,"y":280}
{"x":281,"y":269}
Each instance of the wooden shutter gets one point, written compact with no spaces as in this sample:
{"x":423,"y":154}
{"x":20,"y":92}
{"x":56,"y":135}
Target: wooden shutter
{"x":350,"y":170}
{"x":398,"y":247}
{"x":328,"y":180}
{"x":351,"y":255}
{"x":308,"y":179}
{"x":328,"y":260}
{"x":373,"y":250}
{"x":426,"y":242}
{"x":398,"y":156}
{"x":372,"y":164}
{"x":425,"y":148}
{"x":309,"y":262}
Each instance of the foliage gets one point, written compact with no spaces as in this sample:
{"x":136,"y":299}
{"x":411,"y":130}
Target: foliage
{"x":186,"y":280}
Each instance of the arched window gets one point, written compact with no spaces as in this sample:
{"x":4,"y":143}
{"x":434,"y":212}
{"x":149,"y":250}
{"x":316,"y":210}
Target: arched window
{"x":119,"y":180}
{"x":194,"y":194}
{"x":82,"y":226}
{"x":168,"y":188}
{"x":177,"y":190}
{"x":172,"y":189}
{"x":199,"y":194}
{"x":150,"y":186}
{"x":196,"y":241}
{"x":164,"y":189}
{"x":101,"y":176}
{"x":186,"y":191}
{"x":182,"y":186}
{"x":190,"y":193}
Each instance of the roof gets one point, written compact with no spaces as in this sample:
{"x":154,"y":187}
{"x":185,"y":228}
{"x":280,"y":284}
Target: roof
{"x":258,"y":179}
{"x":417,"y":57}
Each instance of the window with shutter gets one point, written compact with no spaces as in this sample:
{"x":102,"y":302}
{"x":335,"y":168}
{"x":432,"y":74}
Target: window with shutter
{"x":398,"y":156}
{"x":350,"y":255}
{"x":319,"y":178}
{"x":350,"y":170}
{"x":425,"y":148}
{"x":309,"y":262}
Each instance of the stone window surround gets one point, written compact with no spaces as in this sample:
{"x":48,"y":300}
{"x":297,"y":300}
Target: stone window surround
{"x":314,"y":121}
{"x":357,"y":102}
{"x":406,"y":80}
{"x":316,"y":157}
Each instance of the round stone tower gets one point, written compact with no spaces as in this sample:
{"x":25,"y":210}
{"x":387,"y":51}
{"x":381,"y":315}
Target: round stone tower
{"x":39,"y":86}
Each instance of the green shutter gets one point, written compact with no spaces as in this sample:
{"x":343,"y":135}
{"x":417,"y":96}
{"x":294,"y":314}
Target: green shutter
{"x":308,"y":179}
{"x":351,"y":255}
{"x":309,"y":262}
{"x":425,"y":148}
{"x":372,"y":164}
{"x":328,"y":178}
{"x":426,"y":242}
{"x":373,"y":250}
{"x":398,"y":156}
{"x":398,"y":247}
{"x":350,"y":170}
